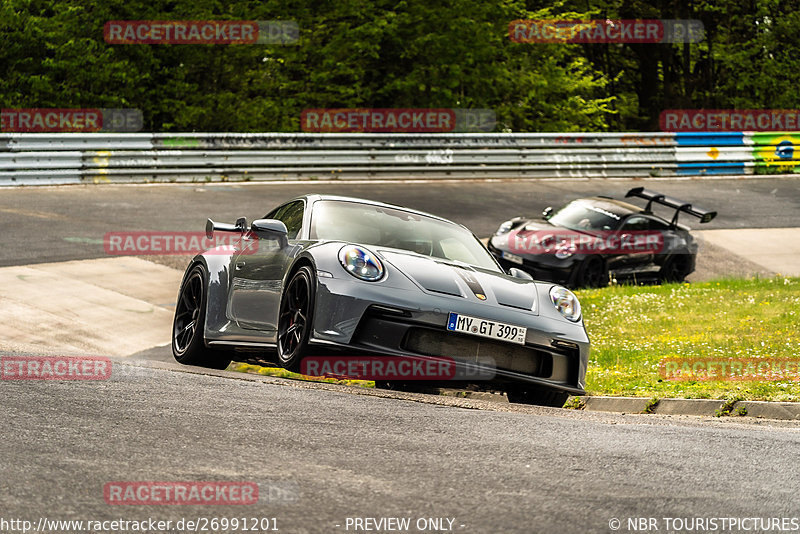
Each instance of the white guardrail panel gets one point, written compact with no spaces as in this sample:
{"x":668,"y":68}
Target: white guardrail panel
{"x":29,"y":159}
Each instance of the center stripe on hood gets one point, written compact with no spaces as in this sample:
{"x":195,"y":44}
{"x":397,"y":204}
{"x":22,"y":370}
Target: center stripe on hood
{"x":472,"y":282}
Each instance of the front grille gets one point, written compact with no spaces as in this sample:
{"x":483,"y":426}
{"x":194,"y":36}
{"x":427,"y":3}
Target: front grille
{"x":521,"y":359}
{"x":381,"y":329}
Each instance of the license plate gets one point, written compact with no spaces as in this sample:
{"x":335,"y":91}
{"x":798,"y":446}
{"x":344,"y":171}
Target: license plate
{"x":485,"y":328}
{"x":513,"y":258}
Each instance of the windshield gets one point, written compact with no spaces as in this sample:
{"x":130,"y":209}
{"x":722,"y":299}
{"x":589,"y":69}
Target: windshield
{"x":377,"y":225}
{"x":580,"y":215}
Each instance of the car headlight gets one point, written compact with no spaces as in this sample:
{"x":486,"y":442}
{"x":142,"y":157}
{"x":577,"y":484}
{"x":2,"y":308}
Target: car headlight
{"x":566,"y":303}
{"x":547,"y":241}
{"x":505,"y":227}
{"x":564,"y":251}
{"x":361,"y":263}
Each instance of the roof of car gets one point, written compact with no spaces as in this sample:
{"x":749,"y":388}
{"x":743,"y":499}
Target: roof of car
{"x":617,"y":207}
{"x":314,"y":197}
{"x":622,"y":209}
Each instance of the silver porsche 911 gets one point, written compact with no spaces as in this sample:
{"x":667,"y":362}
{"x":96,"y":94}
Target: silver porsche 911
{"x":336,"y":274}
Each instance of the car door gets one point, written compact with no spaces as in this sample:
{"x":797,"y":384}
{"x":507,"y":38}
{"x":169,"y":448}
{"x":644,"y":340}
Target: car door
{"x":634,"y":248}
{"x":258,"y":272}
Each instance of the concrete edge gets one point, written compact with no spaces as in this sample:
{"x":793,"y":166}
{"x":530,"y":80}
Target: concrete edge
{"x":787,"y":411}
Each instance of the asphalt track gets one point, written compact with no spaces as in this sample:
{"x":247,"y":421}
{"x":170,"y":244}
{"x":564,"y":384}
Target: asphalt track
{"x":48,"y":224}
{"x":336,"y":453}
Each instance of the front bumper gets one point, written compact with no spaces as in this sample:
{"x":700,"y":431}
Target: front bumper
{"x":548,"y":268}
{"x":359,"y":317}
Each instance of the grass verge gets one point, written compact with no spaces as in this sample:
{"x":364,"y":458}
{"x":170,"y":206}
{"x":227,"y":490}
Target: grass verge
{"x":283,"y":373}
{"x":634,"y":328}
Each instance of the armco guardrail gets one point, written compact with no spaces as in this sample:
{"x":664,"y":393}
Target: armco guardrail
{"x":29,"y":159}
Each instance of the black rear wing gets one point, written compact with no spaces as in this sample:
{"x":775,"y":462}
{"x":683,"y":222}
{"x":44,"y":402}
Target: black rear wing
{"x":679,"y":205}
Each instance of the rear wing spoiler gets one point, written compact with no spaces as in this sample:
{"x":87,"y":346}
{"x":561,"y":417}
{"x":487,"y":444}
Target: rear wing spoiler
{"x":679,"y":205}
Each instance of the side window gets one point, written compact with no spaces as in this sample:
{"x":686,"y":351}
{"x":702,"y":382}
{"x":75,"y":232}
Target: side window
{"x":291,"y":215}
{"x":658,"y":225}
{"x":636,"y":224}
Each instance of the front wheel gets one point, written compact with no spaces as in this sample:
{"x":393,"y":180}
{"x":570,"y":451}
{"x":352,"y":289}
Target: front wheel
{"x":593,"y":272}
{"x":294,"y":320}
{"x":188,"y":345}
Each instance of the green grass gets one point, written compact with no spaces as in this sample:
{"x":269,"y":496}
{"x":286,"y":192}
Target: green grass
{"x":632,"y":328}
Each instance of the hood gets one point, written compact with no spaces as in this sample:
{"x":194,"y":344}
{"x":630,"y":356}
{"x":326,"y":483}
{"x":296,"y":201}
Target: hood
{"x":535,"y":225}
{"x":537,"y":237}
{"x":441,"y":276}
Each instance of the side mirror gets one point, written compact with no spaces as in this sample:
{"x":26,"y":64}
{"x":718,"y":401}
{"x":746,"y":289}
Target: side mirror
{"x":519,"y":273}
{"x":271,"y":229}
{"x":547,"y":212}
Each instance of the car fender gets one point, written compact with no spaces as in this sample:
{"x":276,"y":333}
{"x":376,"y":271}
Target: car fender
{"x":216,"y":265}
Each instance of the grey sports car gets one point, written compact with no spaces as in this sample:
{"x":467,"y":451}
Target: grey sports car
{"x":325,"y":274}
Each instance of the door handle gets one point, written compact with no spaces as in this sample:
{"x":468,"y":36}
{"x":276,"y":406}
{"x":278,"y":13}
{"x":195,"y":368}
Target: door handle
{"x":239,"y":265}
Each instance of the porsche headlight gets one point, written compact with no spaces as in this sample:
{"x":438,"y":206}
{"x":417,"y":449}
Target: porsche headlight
{"x":361,"y":263}
{"x":566,"y":303}
{"x":564,"y":251}
{"x":505,"y":227}
{"x":547,"y":241}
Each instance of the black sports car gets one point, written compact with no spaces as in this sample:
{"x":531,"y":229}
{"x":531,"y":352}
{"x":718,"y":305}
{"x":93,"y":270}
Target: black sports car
{"x":356,"y":277}
{"x":591,"y":240}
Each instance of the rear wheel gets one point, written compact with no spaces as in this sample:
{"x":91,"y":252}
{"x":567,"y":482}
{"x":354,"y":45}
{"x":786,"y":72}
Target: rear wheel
{"x":294,"y":320}
{"x":592,"y":273}
{"x":536,"y":395}
{"x":675,"y":269}
{"x":188,"y":344}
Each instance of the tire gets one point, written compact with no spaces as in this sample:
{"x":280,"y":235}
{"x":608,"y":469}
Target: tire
{"x":675,"y":269}
{"x":592,"y":273}
{"x":535,"y":395}
{"x":188,"y":343}
{"x":295,"y":318}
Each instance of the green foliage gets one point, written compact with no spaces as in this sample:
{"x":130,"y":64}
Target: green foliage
{"x":651,"y":405}
{"x":410,"y":53}
{"x":575,"y":403}
{"x":727,"y":407}
{"x":279,"y":372}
